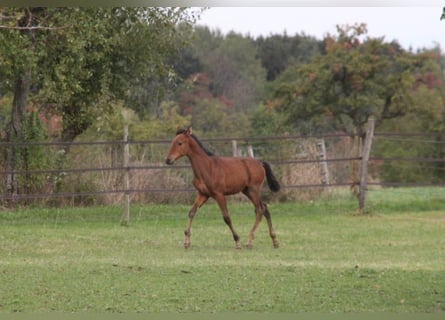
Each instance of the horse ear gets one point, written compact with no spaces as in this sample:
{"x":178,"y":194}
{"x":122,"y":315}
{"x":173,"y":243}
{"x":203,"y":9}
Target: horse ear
{"x":188,"y":132}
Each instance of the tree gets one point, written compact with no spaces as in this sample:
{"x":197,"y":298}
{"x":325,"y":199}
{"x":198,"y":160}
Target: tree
{"x":75,"y":61}
{"x":19,"y":46}
{"x":266,"y":120}
{"x":210,"y":114}
{"x":355,"y":79}
{"x":80,"y":59}
{"x":231,"y":63}
{"x":277,"y":52}
{"x":125,"y":53}
{"x":214,"y":119}
{"x":428,"y":116}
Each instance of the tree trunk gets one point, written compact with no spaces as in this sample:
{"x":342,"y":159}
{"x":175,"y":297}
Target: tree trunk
{"x":15,"y":131}
{"x":355,"y":167}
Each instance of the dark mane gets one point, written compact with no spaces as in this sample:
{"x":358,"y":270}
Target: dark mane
{"x":209,"y":153}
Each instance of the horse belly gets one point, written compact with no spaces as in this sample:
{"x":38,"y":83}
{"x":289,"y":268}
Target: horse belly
{"x":241,"y":173}
{"x":234,"y":184}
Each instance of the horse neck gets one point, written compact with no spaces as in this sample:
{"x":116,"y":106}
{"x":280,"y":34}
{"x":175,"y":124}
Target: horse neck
{"x":199,"y":159}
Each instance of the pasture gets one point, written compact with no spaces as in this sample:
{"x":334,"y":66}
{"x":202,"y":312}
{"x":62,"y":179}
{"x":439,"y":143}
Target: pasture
{"x":330,"y":260}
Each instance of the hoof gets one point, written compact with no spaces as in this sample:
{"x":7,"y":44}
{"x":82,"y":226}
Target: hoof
{"x":249,"y":246}
{"x":276,"y":245}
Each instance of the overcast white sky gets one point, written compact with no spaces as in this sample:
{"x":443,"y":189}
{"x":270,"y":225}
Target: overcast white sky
{"x":412,"y":26}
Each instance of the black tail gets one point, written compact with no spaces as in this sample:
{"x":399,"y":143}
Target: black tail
{"x":272,"y":182}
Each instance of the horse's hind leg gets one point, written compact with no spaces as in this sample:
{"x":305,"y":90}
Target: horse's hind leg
{"x":221,"y":200}
{"x":253,"y":195}
{"x":258,"y":216}
{"x":269,"y":223}
{"x":199,"y":201}
{"x":260,"y":210}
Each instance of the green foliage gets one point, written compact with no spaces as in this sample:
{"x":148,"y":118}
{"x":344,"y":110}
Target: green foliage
{"x":75,"y":63}
{"x":355,"y":79}
{"x":225,"y":81}
{"x":20,"y":49}
{"x":5,"y":115}
{"x":32,"y":156}
{"x":83,"y":58}
{"x":110,"y":127}
{"x":212,"y":118}
{"x":277,"y":52}
{"x":410,"y":147}
{"x":232,"y":64}
{"x":267,"y":121}
{"x":427,"y":115}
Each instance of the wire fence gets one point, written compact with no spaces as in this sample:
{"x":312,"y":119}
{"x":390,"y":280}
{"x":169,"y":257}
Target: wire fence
{"x":91,"y":170}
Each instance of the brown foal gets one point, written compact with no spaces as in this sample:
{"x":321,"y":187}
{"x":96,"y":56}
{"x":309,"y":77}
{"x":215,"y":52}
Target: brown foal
{"x":217,"y":177}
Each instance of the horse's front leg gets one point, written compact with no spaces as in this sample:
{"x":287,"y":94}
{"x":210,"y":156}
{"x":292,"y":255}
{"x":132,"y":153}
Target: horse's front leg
{"x":199,"y":201}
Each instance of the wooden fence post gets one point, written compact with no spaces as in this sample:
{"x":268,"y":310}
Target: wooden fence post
{"x":366,"y":151}
{"x":250,"y":151}
{"x":126,"y":155}
{"x":234,"y":148}
{"x":323,"y":156}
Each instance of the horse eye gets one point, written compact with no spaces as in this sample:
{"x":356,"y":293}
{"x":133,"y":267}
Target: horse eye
{"x":179,"y":143}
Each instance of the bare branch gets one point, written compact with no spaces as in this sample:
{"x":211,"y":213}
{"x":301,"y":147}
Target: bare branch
{"x":33,"y":28}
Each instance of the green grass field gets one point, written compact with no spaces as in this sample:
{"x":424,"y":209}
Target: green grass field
{"x":330,"y":260}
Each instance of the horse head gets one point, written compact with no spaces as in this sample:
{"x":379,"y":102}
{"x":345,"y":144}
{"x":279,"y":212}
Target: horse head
{"x":180,"y":145}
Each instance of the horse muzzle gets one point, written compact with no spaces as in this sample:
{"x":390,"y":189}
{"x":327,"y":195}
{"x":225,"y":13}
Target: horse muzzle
{"x":169,"y":161}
